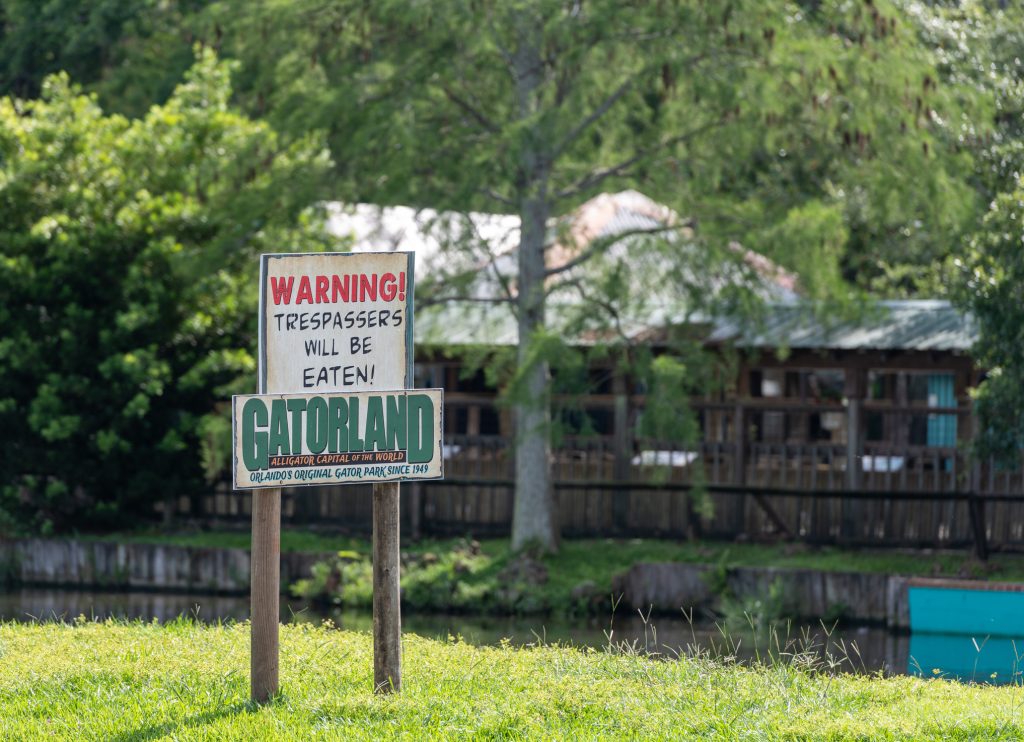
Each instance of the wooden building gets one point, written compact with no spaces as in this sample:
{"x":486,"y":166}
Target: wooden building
{"x":831,"y":431}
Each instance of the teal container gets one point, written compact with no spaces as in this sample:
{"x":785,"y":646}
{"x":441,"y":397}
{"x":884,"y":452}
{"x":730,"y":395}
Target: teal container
{"x":991,"y":611}
{"x":967,"y":631}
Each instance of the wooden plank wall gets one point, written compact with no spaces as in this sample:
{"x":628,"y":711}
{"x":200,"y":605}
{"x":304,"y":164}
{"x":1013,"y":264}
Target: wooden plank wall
{"x":451,"y":508}
{"x":729,"y":486}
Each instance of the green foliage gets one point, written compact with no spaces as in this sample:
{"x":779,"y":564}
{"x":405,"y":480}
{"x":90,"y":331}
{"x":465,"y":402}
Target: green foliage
{"x":132,"y":52}
{"x":716,"y":579}
{"x":992,"y":272}
{"x":671,"y":383}
{"x":756,"y":612}
{"x":853,"y":140}
{"x":815,"y":133}
{"x":978,"y":46}
{"x":128,"y":288}
{"x":143,"y":681}
{"x":854,"y":143}
{"x":985,"y":47}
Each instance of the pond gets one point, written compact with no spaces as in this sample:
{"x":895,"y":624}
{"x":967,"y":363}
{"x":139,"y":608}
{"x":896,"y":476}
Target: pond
{"x":853,"y":649}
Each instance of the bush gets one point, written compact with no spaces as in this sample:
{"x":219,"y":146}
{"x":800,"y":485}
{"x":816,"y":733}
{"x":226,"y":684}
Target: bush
{"x":128,"y":289}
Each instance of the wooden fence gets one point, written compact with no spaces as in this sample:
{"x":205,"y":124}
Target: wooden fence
{"x":736,"y":483}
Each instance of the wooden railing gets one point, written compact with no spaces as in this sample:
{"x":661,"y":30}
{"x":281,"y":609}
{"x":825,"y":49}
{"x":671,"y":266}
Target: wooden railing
{"x":736,"y":482}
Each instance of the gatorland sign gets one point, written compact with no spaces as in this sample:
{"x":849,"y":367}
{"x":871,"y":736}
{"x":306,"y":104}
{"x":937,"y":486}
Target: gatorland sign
{"x":336,"y":438}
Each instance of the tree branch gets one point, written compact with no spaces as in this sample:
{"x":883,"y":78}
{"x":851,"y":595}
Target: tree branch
{"x":494,"y":195}
{"x":472,"y":110}
{"x":598,"y":176}
{"x":599,"y":245}
{"x":612,"y":311}
{"x":614,"y":98}
{"x":594,"y":116}
{"x":433,"y":301}
{"x":492,"y":259}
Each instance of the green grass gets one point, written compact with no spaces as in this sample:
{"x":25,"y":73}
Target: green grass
{"x":117,"y":681}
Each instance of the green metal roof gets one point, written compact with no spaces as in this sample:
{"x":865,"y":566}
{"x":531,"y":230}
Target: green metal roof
{"x":891,"y":325}
{"x":888,"y":325}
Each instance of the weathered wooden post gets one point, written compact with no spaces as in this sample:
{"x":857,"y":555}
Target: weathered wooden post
{"x":855,"y":387}
{"x":975,"y":503}
{"x":739,"y":464}
{"x":336,"y":406}
{"x":265,"y":586}
{"x":265,"y":594}
{"x":623,"y":453}
{"x":387,"y":613}
{"x":853,"y":455}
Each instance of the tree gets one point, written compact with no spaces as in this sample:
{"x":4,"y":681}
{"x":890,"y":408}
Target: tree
{"x":127,"y":293}
{"x":791,"y":126}
{"x":982,"y":45}
{"x":992,"y":271}
{"x":131,"y":52}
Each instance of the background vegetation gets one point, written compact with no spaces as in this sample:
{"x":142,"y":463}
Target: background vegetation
{"x":128,"y":287}
{"x":872,"y":147}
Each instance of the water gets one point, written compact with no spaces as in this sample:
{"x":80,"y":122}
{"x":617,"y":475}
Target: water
{"x":981,"y":659}
{"x":854,"y":649}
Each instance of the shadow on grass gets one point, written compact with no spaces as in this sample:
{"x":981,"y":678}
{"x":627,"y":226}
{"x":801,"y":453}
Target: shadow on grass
{"x":157,"y":731}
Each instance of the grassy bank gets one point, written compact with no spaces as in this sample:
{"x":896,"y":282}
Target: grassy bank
{"x":578,"y":557}
{"x":291,"y":539}
{"x":143,"y":681}
{"x":485,"y":577}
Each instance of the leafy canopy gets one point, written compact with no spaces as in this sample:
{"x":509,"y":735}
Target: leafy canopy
{"x":981,"y":45}
{"x":128,"y":287}
{"x":816,"y":133}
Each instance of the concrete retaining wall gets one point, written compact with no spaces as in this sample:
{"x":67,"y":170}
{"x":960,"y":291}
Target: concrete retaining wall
{"x":805,"y":593}
{"x":667,"y":586}
{"x":100,"y":564}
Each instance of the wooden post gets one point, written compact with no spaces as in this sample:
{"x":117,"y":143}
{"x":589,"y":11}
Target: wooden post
{"x":265,"y":593}
{"x":416,"y":511}
{"x":739,"y":470}
{"x":622,"y":454}
{"x":855,"y":386}
{"x":975,"y":504}
{"x":976,"y":514}
{"x":387,"y":614}
{"x":739,"y":464}
{"x":853,"y":450}
{"x":169,"y":506}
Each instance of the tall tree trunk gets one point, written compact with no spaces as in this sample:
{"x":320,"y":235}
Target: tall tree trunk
{"x":533,"y":516}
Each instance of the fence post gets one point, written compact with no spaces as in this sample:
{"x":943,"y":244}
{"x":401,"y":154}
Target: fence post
{"x":739,"y":464}
{"x":853,"y":510}
{"x":415,"y":511}
{"x":739,"y":468}
{"x":976,"y":511}
{"x":853,"y":450}
{"x":622,"y":455}
{"x":975,"y":504}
